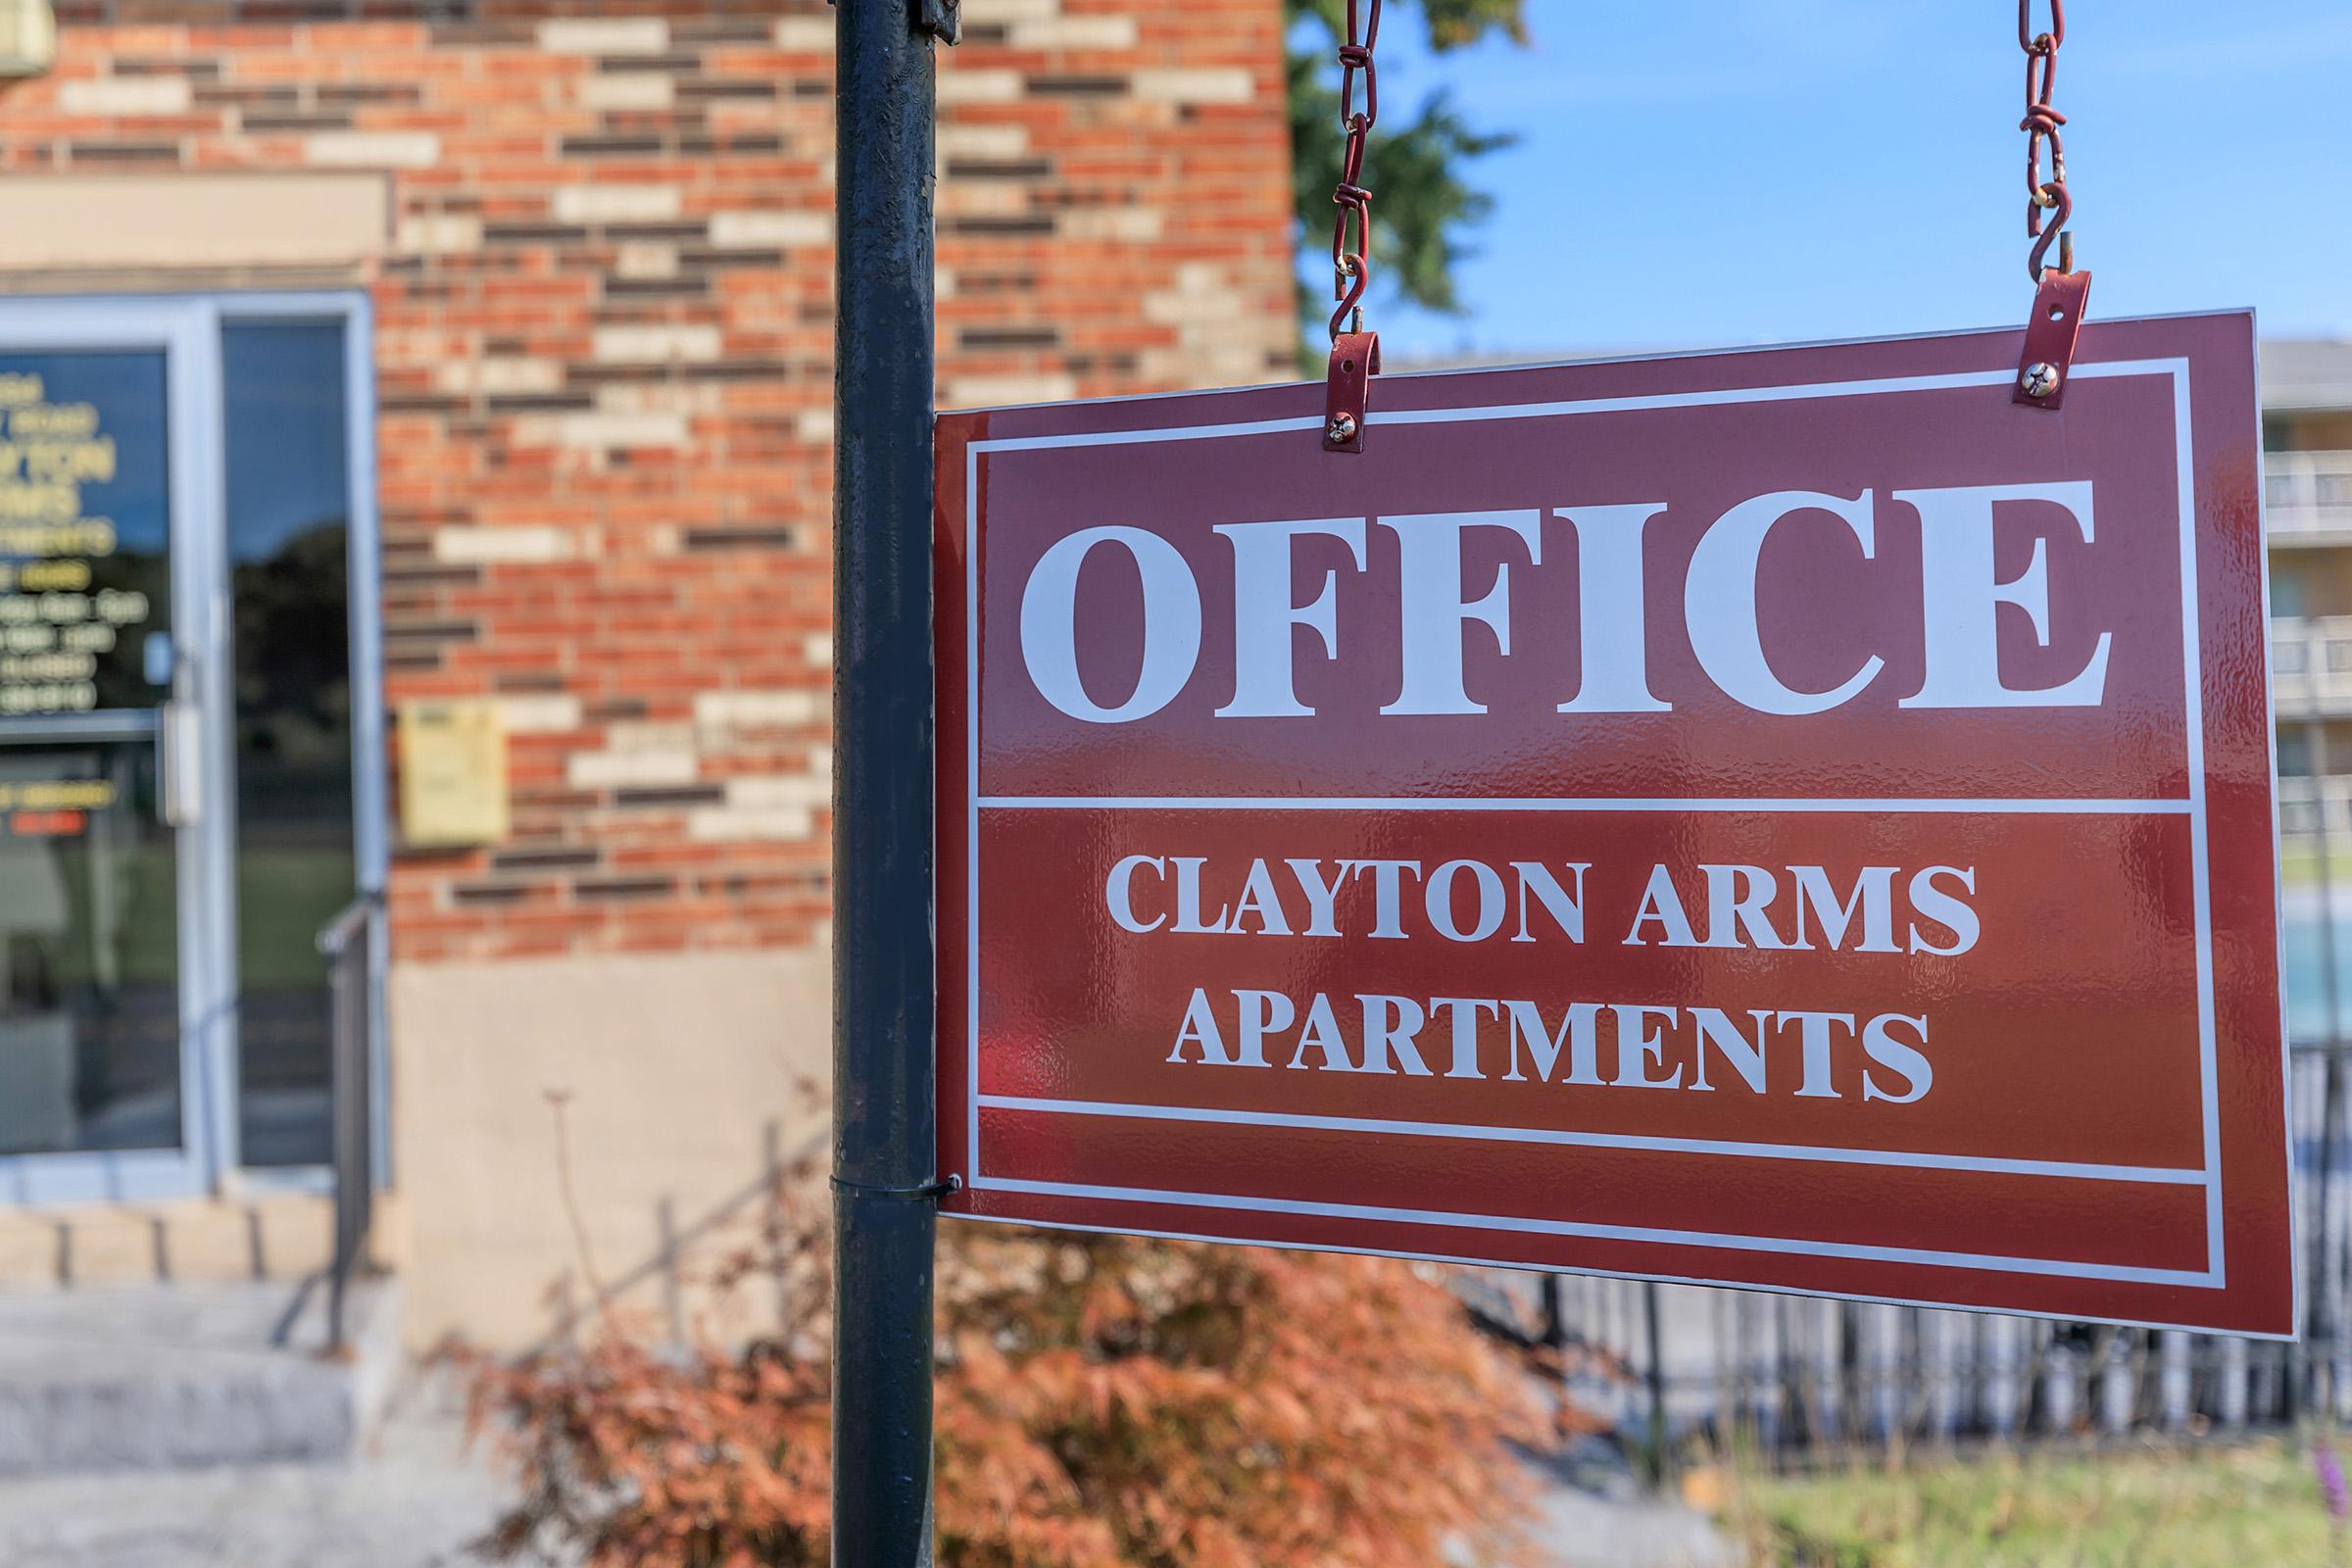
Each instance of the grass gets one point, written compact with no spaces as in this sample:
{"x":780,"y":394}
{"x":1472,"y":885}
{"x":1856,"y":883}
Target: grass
{"x":284,"y":895}
{"x":2252,"y":1506}
{"x":2299,"y":864}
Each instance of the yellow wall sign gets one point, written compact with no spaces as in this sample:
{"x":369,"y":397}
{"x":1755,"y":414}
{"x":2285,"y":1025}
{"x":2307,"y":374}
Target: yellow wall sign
{"x":453,"y":772}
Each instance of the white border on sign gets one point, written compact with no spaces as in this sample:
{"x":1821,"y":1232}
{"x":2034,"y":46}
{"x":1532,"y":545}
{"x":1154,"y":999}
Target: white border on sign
{"x":2193,"y":806}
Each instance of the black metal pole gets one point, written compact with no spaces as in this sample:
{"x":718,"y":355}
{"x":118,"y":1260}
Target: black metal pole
{"x":1661,"y":1462}
{"x":2319,"y":1324}
{"x":882,"y":986}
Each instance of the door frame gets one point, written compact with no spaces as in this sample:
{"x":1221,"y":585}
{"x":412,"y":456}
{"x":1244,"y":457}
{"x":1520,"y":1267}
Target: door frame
{"x":187,"y":328}
{"x":364,"y":596}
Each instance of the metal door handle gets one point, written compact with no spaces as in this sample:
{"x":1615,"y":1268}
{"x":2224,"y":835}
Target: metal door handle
{"x":180,"y":759}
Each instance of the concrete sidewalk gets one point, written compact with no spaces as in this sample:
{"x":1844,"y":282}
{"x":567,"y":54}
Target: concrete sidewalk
{"x":411,"y":1497}
{"x":414,"y":1497}
{"x":1591,"y":1513}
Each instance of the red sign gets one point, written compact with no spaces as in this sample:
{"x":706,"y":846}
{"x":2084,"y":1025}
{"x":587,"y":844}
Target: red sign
{"x":1789,"y":819}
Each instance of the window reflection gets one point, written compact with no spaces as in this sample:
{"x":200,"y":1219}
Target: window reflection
{"x":89,"y":996}
{"x":287,"y":528}
{"x":89,"y":1002}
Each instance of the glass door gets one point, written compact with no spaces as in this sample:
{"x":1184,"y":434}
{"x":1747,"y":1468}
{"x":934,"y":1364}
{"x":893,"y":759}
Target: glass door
{"x":297,"y":715}
{"x":117,"y":928}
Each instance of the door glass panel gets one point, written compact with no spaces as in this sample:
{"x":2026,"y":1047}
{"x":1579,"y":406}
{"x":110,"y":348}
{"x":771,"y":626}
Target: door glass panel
{"x":89,"y":1000}
{"x":89,"y":996}
{"x":287,"y":473}
{"x":86,"y":585}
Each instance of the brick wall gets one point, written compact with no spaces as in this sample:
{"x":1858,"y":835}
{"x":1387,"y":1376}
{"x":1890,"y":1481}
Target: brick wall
{"x":604,"y":340}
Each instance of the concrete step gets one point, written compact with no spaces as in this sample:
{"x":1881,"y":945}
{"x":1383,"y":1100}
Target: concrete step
{"x":144,"y":1377}
{"x":285,"y":1236}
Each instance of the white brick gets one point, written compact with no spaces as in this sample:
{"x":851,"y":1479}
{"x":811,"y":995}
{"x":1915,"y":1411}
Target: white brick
{"x":594,"y":35}
{"x":810,"y":35}
{"x":1111,"y":222}
{"x":820,"y":649}
{"x":1073,"y":32}
{"x":809,"y":791}
{"x":615,"y":204}
{"x":983,"y":141}
{"x":990,"y":391}
{"x":439,"y":233}
{"x":1233,"y":85}
{"x":646,"y":259}
{"x":1205,"y":307}
{"x":628,"y":89}
{"x":650,"y":735}
{"x":719,"y":824}
{"x":589,"y":770}
{"x":752,"y":709}
{"x":1197,"y":366}
{"x":497,"y":376}
{"x":529,"y":544}
{"x":637,"y":345}
{"x":125,"y":95}
{"x":683,"y":399}
{"x":978,"y":86}
{"x":374,"y":149}
{"x":548,"y":713}
{"x":813,"y":424}
{"x":602,"y":430}
{"x":988,"y":197}
{"x":500,"y":375}
{"x":756,"y":230}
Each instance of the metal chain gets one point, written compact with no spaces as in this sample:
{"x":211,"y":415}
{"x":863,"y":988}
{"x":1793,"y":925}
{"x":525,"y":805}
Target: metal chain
{"x":2041,"y":123}
{"x":1351,"y":264}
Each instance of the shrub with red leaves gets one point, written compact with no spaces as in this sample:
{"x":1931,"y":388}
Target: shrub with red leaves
{"x":1103,"y":1402}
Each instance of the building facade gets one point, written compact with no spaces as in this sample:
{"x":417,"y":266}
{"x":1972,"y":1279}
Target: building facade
{"x":2307,"y":442}
{"x":415,"y":462}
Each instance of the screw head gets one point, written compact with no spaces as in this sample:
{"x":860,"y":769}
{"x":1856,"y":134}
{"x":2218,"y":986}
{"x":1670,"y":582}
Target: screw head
{"x":2039,"y":380}
{"x":1340,"y":428}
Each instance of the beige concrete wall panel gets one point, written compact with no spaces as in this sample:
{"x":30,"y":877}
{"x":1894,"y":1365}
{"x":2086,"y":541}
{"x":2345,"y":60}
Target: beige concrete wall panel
{"x":190,"y":219}
{"x":681,"y":1076}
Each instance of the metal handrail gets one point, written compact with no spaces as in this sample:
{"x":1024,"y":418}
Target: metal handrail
{"x":335,"y":935}
{"x":349,"y":944}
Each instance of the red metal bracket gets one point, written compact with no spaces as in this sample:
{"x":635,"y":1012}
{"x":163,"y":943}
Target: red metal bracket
{"x":2048,"y":357}
{"x":1354,"y":360}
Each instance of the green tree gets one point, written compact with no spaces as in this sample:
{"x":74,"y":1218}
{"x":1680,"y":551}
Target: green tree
{"x":1422,"y":203}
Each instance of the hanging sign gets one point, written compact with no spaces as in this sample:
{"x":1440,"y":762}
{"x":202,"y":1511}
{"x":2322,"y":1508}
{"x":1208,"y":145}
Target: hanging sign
{"x":1793,"y":818}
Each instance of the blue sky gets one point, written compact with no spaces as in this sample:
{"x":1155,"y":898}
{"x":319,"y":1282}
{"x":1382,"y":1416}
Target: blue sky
{"x":1698,"y":173}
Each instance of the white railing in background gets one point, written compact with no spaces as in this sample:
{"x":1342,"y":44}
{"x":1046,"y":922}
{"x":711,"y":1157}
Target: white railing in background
{"x":2307,"y":492}
{"x":1787,"y":1373}
{"x":1778,"y":1374}
{"x":2311,"y":666}
{"x":2304,"y":804}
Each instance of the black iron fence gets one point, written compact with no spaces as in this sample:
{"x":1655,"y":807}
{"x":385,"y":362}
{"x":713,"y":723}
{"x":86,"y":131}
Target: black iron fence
{"x":1787,"y":1372}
